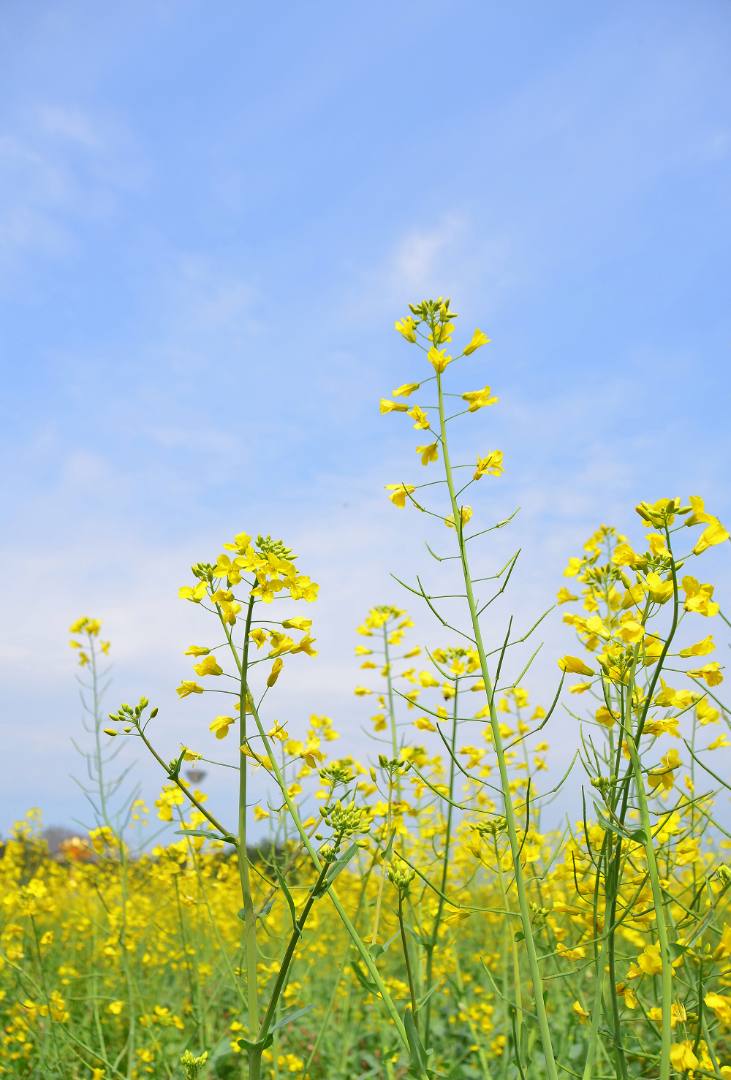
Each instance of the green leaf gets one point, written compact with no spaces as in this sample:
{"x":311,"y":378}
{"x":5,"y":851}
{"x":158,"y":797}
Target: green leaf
{"x":419,"y":1060}
{"x":423,"y":1000}
{"x":610,"y":826}
{"x":363,"y":979}
{"x":377,"y":949}
{"x":287,"y":894}
{"x":338,"y":866}
{"x":263,"y":912}
{"x":289,"y":1017}
{"x":257,"y":1044}
{"x":207,"y":833}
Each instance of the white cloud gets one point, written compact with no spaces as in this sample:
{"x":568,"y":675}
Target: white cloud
{"x":60,"y":166}
{"x":70,"y":124}
{"x":417,"y":258}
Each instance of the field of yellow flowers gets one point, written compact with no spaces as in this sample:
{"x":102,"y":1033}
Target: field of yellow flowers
{"x":408,"y":915}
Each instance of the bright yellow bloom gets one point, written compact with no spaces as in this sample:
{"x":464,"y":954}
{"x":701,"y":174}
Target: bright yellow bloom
{"x":208,"y":666}
{"x":682,"y":1057}
{"x":634,"y":596}
{"x":623,"y":555}
{"x":605,"y":717}
{"x":631,"y":632}
{"x":678,"y":1014}
{"x":574,"y":666}
{"x":187,"y":687}
{"x":240,"y":543}
{"x":714,"y":533}
{"x":442,"y":333}
{"x":659,"y":590}
{"x":387,"y":406}
{"x":438,"y":359}
{"x":492,"y":465}
{"x":706,"y":713}
{"x":421,"y":420}
{"x":663,"y":776}
{"x":423,"y":723}
{"x":407,"y":328}
{"x":193,"y":592}
{"x":274,"y":673}
{"x":720,"y":1005}
{"x":428,"y":453}
{"x":479,"y":338}
{"x":479,"y":399}
{"x":304,"y":645}
{"x":699,"y":598}
{"x":465,"y":513}
{"x":406,"y":389}
{"x":710,"y":673}
{"x":662,"y":726}
{"x":657,"y":544}
{"x":701,"y":648}
{"x":578,"y":1009}
{"x":399,"y":493}
{"x":649,"y":960}
{"x":578,"y":952}
{"x":220,"y":726}
{"x":659,"y":513}
{"x":677,"y":699}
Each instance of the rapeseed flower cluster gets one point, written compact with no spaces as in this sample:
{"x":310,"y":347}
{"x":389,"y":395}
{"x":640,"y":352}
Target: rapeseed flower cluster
{"x":410,"y":911}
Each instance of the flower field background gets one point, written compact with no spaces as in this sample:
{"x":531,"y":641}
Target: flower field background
{"x":408,"y":913}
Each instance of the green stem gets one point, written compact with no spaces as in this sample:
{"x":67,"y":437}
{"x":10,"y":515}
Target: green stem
{"x":363,"y":951}
{"x":591,"y":1052}
{"x":249,"y":928}
{"x":117,"y":833}
{"x":407,"y":957}
{"x":666,"y":976}
{"x":523,"y":902}
{"x":296,"y":934}
{"x":434,"y":937}
{"x":391,"y":707}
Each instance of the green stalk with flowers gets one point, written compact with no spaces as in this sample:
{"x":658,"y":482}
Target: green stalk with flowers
{"x":626,"y":595}
{"x":266,"y":568}
{"x":430,"y":326}
{"x":458,"y":934}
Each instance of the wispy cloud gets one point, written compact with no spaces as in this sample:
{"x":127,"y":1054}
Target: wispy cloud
{"x":60,"y":167}
{"x":70,"y":124}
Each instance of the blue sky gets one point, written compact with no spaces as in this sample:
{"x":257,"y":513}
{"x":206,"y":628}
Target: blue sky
{"x":210,"y":217}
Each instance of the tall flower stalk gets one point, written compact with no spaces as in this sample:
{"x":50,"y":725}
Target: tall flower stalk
{"x":632,"y":637}
{"x":430,"y":326}
{"x":233,"y":588}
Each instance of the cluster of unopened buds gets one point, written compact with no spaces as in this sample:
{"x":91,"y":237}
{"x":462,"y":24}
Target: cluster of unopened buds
{"x":346,"y":819}
{"x":400,"y":875}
